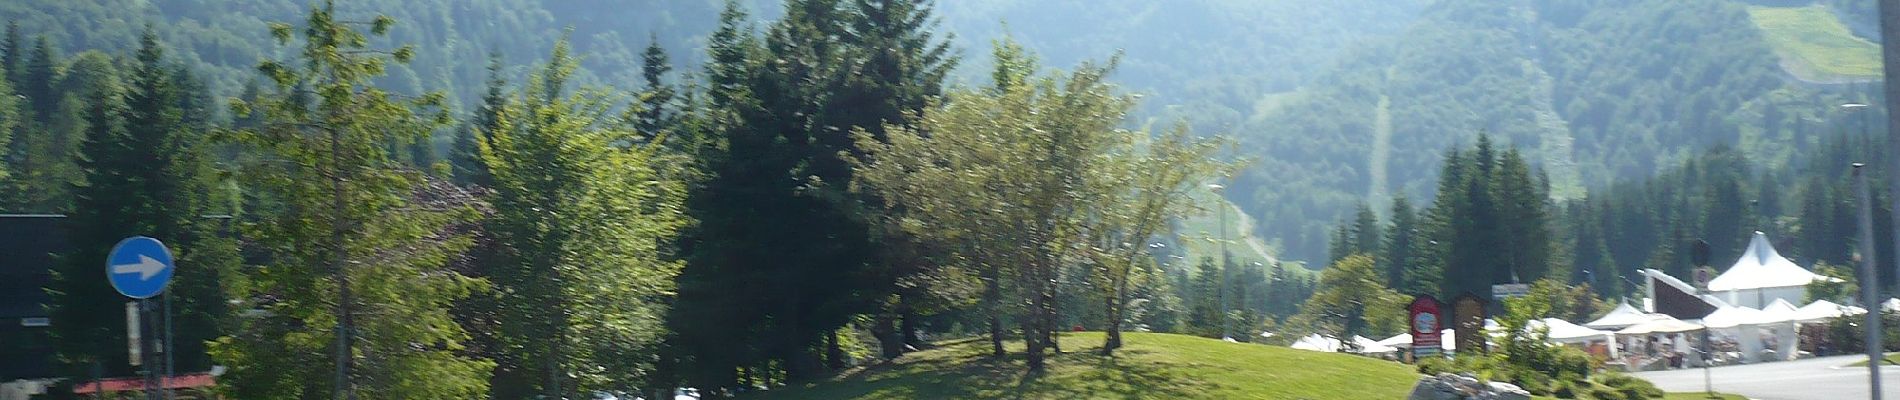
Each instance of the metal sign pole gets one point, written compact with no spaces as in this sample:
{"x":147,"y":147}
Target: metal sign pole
{"x":164,"y":393}
{"x":151,"y":360}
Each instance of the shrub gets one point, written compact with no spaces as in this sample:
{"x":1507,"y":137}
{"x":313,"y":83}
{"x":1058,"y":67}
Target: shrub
{"x":1605,"y":393}
{"x":1632,"y":388}
{"x":1437,"y":365}
{"x":1564,"y":389}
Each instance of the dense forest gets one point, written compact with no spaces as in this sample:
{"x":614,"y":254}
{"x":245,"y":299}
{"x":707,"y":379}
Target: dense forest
{"x":520,"y":198}
{"x":1594,"y":92}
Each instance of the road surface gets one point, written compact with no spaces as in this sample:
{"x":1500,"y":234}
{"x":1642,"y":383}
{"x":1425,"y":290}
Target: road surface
{"x":1826,"y":378}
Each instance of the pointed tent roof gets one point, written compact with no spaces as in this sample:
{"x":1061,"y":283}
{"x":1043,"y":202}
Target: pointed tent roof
{"x":1622,"y":316}
{"x":1822,"y":310}
{"x":1761,"y":267}
{"x":1729,"y":317}
{"x":1664,"y":324}
{"x":1562,"y":331}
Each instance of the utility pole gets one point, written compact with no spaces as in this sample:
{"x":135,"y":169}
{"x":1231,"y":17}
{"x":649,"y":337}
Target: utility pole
{"x":1889,"y":11}
{"x":1869,"y":280}
{"x":1226,"y":331}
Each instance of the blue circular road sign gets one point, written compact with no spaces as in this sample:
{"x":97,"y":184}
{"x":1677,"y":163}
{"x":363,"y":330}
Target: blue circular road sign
{"x":139,"y":267}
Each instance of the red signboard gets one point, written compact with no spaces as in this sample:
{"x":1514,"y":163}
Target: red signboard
{"x":1426,"y":325}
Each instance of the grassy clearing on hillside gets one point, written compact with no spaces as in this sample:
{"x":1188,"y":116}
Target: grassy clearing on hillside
{"x":1199,"y":236}
{"x":1815,"y":42}
{"x":1153,"y":366}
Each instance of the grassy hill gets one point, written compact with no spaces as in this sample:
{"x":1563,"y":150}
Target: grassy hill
{"x":1199,"y":235}
{"x":1153,"y":366}
{"x":1814,"y":45}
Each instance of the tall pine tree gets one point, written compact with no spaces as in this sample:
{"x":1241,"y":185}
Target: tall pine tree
{"x":355,"y":286}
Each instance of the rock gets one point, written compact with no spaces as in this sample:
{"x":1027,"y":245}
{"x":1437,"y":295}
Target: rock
{"x":1506,"y":391}
{"x":1464,"y":387}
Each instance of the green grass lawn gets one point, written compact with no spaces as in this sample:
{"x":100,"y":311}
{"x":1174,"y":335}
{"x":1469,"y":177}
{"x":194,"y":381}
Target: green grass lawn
{"x":1817,"y":43}
{"x":1152,"y":366}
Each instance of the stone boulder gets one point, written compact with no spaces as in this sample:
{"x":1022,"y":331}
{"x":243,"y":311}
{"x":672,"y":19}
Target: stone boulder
{"x":1464,"y":387}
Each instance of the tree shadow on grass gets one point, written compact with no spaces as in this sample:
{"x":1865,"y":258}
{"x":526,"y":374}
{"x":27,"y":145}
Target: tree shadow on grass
{"x":1082,"y":374}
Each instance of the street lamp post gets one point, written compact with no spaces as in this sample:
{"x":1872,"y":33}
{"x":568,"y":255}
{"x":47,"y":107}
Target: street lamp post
{"x":1870,"y":280}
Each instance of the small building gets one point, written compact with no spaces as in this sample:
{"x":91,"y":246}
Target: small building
{"x":27,"y":243}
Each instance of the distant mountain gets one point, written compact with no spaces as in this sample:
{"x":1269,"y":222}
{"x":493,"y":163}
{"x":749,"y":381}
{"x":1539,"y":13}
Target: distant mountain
{"x":1336,"y":101}
{"x":1594,"y":90}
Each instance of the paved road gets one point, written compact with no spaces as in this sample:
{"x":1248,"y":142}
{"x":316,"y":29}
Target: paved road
{"x":1824,"y":378}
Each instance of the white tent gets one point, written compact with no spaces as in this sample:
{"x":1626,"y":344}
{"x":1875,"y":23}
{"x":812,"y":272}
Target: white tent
{"x":1730,"y":317}
{"x":1447,"y":339}
{"x":1823,"y":310}
{"x":1399,"y":340}
{"x":1316,"y":342}
{"x":1780,"y":311}
{"x":1621,"y":317}
{"x":1565,"y":332}
{"x":1369,"y":346}
{"x":1890,"y":304}
{"x":1761,"y":275}
{"x":1761,"y":267}
{"x":1665,"y":324}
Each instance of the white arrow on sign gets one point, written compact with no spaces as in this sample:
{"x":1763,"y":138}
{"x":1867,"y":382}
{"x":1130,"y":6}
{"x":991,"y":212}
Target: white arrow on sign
{"x":146,"y":267}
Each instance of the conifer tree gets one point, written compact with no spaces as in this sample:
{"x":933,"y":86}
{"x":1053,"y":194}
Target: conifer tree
{"x":1400,"y":253}
{"x":656,"y":114}
{"x":144,"y":174}
{"x":10,"y":126}
{"x":12,"y":51}
{"x":467,"y":167}
{"x":354,"y":287}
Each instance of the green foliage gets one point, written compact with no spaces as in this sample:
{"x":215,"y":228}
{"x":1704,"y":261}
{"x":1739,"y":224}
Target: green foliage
{"x":354,"y":246}
{"x":143,"y":175}
{"x":1629,"y":387}
{"x":1525,"y":355}
{"x":1839,"y":290}
{"x":1489,"y":224}
{"x":579,"y":223}
{"x":1352,"y":300}
{"x":1556,"y":79}
{"x":1847,"y":334}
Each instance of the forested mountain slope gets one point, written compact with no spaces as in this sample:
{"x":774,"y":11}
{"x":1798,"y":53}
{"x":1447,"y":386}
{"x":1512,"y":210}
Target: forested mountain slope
{"x":1336,"y":101}
{"x":1593,"y":91}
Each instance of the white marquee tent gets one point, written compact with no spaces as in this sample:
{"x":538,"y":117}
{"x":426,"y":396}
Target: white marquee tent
{"x":1781,"y":310}
{"x":1730,"y":317}
{"x":1369,"y":346}
{"x":1761,"y":276}
{"x":1317,"y":342}
{"x":1565,"y":332}
{"x":1823,"y":310}
{"x":1623,"y":316}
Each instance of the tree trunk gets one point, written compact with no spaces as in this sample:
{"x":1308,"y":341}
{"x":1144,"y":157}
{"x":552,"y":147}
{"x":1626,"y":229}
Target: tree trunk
{"x":1050,"y":328}
{"x":1113,"y":329}
{"x":834,"y":355}
{"x":890,"y":344}
{"x":1033,"y":339}
{"x":907,"y":326}
{"x":992,"y":293}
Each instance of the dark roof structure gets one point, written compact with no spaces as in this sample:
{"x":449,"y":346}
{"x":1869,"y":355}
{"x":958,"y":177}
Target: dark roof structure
{"x":27,"y":243}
